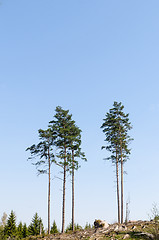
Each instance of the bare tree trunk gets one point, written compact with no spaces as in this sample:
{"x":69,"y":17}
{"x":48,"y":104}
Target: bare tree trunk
{"x":121,"y":162}
{"x":63,"y":206}
{"x":73,"y":190}
{"x":49,"y":195}
{"x":117,"y":179}
{"x":64,"y":188}
{"x":121,"y":187}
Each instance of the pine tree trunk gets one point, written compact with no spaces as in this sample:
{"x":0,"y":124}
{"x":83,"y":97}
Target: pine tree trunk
{"x":72,"y":190}
{"x":49,"y":195}
{"x":117,"y":179}
{"x":121,"y":162}
{"x":121,"y":187}
{"x":64,"y":188}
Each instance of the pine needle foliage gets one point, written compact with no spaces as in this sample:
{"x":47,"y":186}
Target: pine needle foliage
{"x":42,"y":151}
{"x":25,"y":231}
{"x":20,"y":230}
{"x":61,"y":125}
{"x":10,"y":228}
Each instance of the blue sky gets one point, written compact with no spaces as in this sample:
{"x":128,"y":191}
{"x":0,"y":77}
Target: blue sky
{"x":82,"y":55}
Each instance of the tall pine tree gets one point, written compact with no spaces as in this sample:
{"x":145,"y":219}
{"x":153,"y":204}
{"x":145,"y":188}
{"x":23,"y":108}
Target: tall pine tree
{"x":115,"y":127}
{"x":62,"y":125}
{"x":44,"y":152}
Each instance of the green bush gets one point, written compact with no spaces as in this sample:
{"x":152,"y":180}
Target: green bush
{"x":87,"y":226}
{"x":36,"y":226}
{"x":10,"y":229}
{"x":54,"y":228}
{"x":76,"y":227}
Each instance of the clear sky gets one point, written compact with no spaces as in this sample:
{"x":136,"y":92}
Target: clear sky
{"x":82,"y":55}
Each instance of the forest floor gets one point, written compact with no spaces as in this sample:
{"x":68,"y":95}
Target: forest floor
{"x":136,"y":230}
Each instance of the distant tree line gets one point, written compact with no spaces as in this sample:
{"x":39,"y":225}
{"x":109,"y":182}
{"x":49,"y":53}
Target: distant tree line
{"x":10,"y":230}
